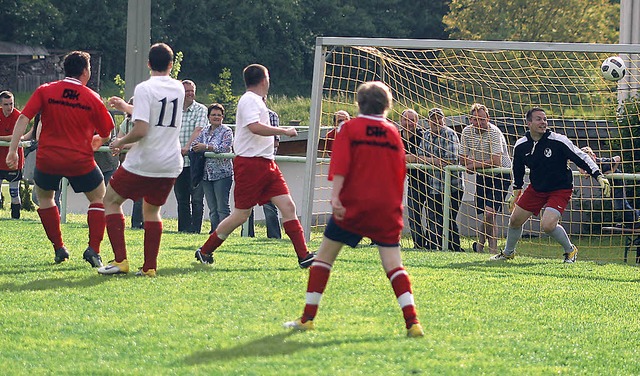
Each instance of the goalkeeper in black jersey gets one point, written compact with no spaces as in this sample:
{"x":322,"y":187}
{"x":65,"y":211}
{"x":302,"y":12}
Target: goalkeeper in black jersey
{"x":546,"y":154}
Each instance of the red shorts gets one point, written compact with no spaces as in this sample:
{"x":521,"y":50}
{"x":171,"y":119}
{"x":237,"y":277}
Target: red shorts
{"x":533,"y":201}
{"x":135,"y":187}
{"x":257,"y":181}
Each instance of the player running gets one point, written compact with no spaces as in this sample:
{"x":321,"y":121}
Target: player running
{"x":258,"y":179}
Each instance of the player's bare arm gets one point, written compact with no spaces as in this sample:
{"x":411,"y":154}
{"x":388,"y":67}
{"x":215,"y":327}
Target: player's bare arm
{"x":139,"y":130}
{"x":338,"y":210}
{"x":267,"y":130}
{"x":120,"y":105}
{"x":18,"y":131}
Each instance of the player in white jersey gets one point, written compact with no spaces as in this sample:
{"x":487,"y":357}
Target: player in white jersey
{"x":251,"y":109}
{"x":157,"y":154}
{"x":153,"y":163}
{"x":258,"y":179}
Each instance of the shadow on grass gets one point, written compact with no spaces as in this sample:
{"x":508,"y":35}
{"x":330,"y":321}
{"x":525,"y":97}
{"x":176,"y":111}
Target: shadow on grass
{"x":230,"y":248}
{"x":54,"y":284}
{"x":21,"y":270}
{"x":22,"y":220}
{"x":272,"y":345}
{"x":526,"y":268}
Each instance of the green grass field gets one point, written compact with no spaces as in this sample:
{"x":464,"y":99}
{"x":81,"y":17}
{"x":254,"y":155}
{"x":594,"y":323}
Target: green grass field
{"x":529,"y":316}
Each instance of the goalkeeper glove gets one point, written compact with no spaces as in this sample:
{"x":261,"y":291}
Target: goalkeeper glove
{"x":604,"y":184}
{"x":511,"y":201}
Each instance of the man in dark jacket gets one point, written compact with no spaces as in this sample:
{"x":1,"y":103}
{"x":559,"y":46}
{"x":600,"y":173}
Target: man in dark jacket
{"x":547,"y":155}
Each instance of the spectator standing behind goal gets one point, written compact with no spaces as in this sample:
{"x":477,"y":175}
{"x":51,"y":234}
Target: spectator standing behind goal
{"x":152,"y":164}
{"x":368,"y":163}
{"x":71,"y":116}
{"x":8,"y":118}
{"x":630,"y":216}
{"x":218,"y":173}
{"x":326,"y":143}
{"x":483,"y":146}
{"x":258,"y":179}
{"x":413,"y":138}
{"x":441,"y":148}
{"x":546,"y":154}
{"x":190,"y":199}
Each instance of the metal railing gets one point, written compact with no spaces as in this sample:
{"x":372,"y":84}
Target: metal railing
{"x":448,"y":170}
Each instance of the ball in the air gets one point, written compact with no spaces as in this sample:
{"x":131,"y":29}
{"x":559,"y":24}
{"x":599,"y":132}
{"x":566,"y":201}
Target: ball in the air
{"x":613,"y":68}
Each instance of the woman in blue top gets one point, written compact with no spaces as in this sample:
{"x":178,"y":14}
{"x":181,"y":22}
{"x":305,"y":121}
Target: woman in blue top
{"x":218,"y":173}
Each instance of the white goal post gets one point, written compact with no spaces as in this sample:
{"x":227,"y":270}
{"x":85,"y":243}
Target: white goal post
{"x":508,"y":77}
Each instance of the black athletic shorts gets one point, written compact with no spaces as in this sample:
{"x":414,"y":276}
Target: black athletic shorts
{"x":338,"y":234}
{"x":10,"y":176}
{"x":82,"y":183}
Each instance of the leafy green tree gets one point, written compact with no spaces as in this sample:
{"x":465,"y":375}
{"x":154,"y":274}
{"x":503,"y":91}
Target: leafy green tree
{"x":222,"y":93}
{"x":279,"y":34}
{"x":589,"y":21}
{"x":98,"y":26}
{"x":31,"y":22}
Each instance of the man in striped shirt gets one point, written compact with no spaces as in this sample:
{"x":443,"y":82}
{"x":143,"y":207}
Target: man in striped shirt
{"x":190,"y":199}
{"x":483,"y":146}
{"x":441,"y":148}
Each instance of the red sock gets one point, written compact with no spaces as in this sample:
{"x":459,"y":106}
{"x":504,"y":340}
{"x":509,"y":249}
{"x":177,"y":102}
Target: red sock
{"x":115,"y":231}
{"x":402,"y":288}
{"x":97,"y":224}
{"x":318,"y":278}
{"x":152,"y":235}
{"x":212,"y":243}
{"x":294,"y":231}
{"x":50,"y":218}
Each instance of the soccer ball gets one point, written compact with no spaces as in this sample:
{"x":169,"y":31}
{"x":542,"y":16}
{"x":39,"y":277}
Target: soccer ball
{"x":613,"y":68}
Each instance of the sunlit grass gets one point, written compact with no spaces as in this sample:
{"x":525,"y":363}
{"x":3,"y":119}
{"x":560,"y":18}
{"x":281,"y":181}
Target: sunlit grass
{"x":528,"y":316}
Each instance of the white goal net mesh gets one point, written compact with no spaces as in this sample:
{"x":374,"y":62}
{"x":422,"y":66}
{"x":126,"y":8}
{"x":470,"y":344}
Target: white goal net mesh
{"x":567,"y":84}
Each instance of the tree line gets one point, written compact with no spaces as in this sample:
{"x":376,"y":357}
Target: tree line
{"x":280,"y":34}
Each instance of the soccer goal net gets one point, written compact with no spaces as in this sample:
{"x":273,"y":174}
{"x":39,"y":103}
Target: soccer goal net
{"x":508,"y":78}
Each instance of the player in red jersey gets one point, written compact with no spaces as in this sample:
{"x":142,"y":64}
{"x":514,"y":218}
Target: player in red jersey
{"x":8,"y":117}
{"x":75,"y":122}
{"x":368,"y":171}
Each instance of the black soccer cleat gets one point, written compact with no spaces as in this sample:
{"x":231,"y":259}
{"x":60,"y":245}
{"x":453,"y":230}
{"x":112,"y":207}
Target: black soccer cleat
{"x":15,"y":211}
{"x":62,"y":255}
{"x":307,"y":260}
{"x":204,"y":257}
{"x":92,"y":257}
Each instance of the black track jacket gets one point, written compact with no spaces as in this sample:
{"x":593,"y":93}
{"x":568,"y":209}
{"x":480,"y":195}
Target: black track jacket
{"x":547,"y":160}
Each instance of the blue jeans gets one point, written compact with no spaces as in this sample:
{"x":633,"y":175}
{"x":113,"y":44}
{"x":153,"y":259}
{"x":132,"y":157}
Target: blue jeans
{"x":190,"y":203}
{"x":435,"y":207}
{"x":416,"y":198}
{"x":622,"y":205}
{"x":136,"y":214}
{"x":271,"y":221}
{"x":217,"y":194}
